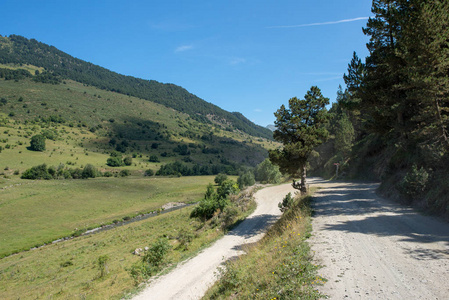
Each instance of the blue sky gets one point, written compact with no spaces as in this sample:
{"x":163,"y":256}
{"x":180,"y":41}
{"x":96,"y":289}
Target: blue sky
{"x":245,"y":56}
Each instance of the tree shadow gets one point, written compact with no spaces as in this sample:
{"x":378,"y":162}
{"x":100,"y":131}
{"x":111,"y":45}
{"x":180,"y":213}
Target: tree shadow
{"x":253,"y":226}
{"x":366,"y":213}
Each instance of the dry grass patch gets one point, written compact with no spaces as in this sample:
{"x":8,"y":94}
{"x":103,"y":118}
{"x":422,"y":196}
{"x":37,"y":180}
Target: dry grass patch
{"x":278,"y":267}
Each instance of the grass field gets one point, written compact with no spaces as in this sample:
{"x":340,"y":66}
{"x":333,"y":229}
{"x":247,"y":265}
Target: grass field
{"x":69,"y":270}
{"x":36,"y":212}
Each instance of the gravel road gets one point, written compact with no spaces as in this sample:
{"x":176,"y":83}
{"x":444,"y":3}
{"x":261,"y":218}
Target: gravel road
{"x":375,"y":249}
{"x":192,"y":278}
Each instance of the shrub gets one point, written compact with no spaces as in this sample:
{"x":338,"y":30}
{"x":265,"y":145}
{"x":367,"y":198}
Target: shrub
{"x":220,"y":178}
{"x":128,"y":161}
{"x":266,"y":172}
{"x":89,"y":171}
{"x":286,"y":203}
{"x":114,"y":161}
{"x":246,"y":179}
{"x":149,"y":172}
{"x":124,"y":173}
{"x":154,"y":158}
{"x":37,"y":172}
{"x":214,"y":201}
{"x":226,"y":188}
{"x":102,"y":265}
{"x":37,"y":143}
{"x":50,"y":134}
{"x":156,"y":254}
{"x":207,"y":207}
{"x":414,"y":182}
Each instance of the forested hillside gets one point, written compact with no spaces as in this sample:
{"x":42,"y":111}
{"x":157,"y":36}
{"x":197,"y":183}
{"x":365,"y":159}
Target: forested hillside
{"x":391,"y":123}
{"x":59,"y":65}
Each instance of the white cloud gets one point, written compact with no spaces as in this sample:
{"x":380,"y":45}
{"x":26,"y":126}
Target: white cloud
{"x":237,"y":61}
{"x":184,"y":48}
{"x":320,"y":24}
{"x":258,"y":110}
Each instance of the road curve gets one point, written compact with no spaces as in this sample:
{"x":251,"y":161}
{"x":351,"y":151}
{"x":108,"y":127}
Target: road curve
{"x":372,"y":248}
{"x":192,"y":278}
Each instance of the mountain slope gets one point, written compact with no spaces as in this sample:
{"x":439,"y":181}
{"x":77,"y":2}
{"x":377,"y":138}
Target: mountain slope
{"x":19,"y":50}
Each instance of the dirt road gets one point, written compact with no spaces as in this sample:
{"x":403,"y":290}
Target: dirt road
{"x":375,"y":249}
{"x":191,"y":279}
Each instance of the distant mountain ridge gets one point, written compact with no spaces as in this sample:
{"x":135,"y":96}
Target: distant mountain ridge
{"x":19,"y":50}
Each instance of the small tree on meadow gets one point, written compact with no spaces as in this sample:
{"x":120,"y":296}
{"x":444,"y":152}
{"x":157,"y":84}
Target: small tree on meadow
{"x":128,"y":161}
{"x":37,"y":143}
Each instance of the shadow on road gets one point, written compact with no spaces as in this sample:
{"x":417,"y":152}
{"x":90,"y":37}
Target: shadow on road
{"x":364,"y":212}
{"x":253,"y":226}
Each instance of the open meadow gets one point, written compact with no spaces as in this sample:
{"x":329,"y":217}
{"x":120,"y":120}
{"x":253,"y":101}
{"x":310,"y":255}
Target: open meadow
{"x":71,"y":269}
{"x":40,"y":211}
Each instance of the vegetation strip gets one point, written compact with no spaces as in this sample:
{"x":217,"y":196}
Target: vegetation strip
{"x":277,"y":267}
{"x":114,"y":263}
{"x":102,"y":228}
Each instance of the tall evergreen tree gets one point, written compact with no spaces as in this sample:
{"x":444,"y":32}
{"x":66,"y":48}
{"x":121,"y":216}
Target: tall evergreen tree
{"x":300,"y":128}
{"x":425,"y":48}
{"x":383,"y":99}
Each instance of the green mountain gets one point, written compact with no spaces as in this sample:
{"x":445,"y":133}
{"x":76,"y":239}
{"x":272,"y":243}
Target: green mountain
{"x":59,"y":65}
{"x":87,"y":112}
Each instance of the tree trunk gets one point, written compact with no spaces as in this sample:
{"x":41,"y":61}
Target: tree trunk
{"x":303,"y":187}
{"x":441,"y":123}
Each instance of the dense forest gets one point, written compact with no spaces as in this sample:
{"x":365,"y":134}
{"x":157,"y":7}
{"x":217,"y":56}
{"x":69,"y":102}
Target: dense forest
{"x":19,"y":50}
{"x":391,"y":122}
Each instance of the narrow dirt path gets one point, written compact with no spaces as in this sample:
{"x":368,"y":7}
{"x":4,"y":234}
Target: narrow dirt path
{"x":375,"y":249}
{"x":192,"y":278}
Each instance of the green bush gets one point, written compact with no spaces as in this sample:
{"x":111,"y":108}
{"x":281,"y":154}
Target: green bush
{"x":220,"y":178}
{"x":246,"y":179}
{"x":89,"y":171}
{"x":107,"y":174}
{"x":149,"y":172}
{"x":154,"y":158}
{"x":214,"y":201}
{"x":128,"y":161}
{"x":102,"y":265}
{"x":124,"y":173}
{"x":37,"y":172}
{"x":414,"y":182}
{"x":37,"y":143}
{"x":286,"y":203}
{"x":226,"y":188}
{"x":156,"y":254}
{"x":114,"y":161}
{"x":266,"y":172}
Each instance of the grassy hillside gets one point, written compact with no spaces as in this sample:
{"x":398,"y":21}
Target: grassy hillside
{"x":19,"y":50}
{"x":86,"y":119}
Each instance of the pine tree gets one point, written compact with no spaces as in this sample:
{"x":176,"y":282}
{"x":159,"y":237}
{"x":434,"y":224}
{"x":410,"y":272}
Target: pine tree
{"x":300,"y":128}
{"x":425,"y":48}
{"x":382,"y":97}
{"x":344,"y":135}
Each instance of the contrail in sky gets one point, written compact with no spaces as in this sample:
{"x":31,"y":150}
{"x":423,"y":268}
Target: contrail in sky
{"x":320,"y":24}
